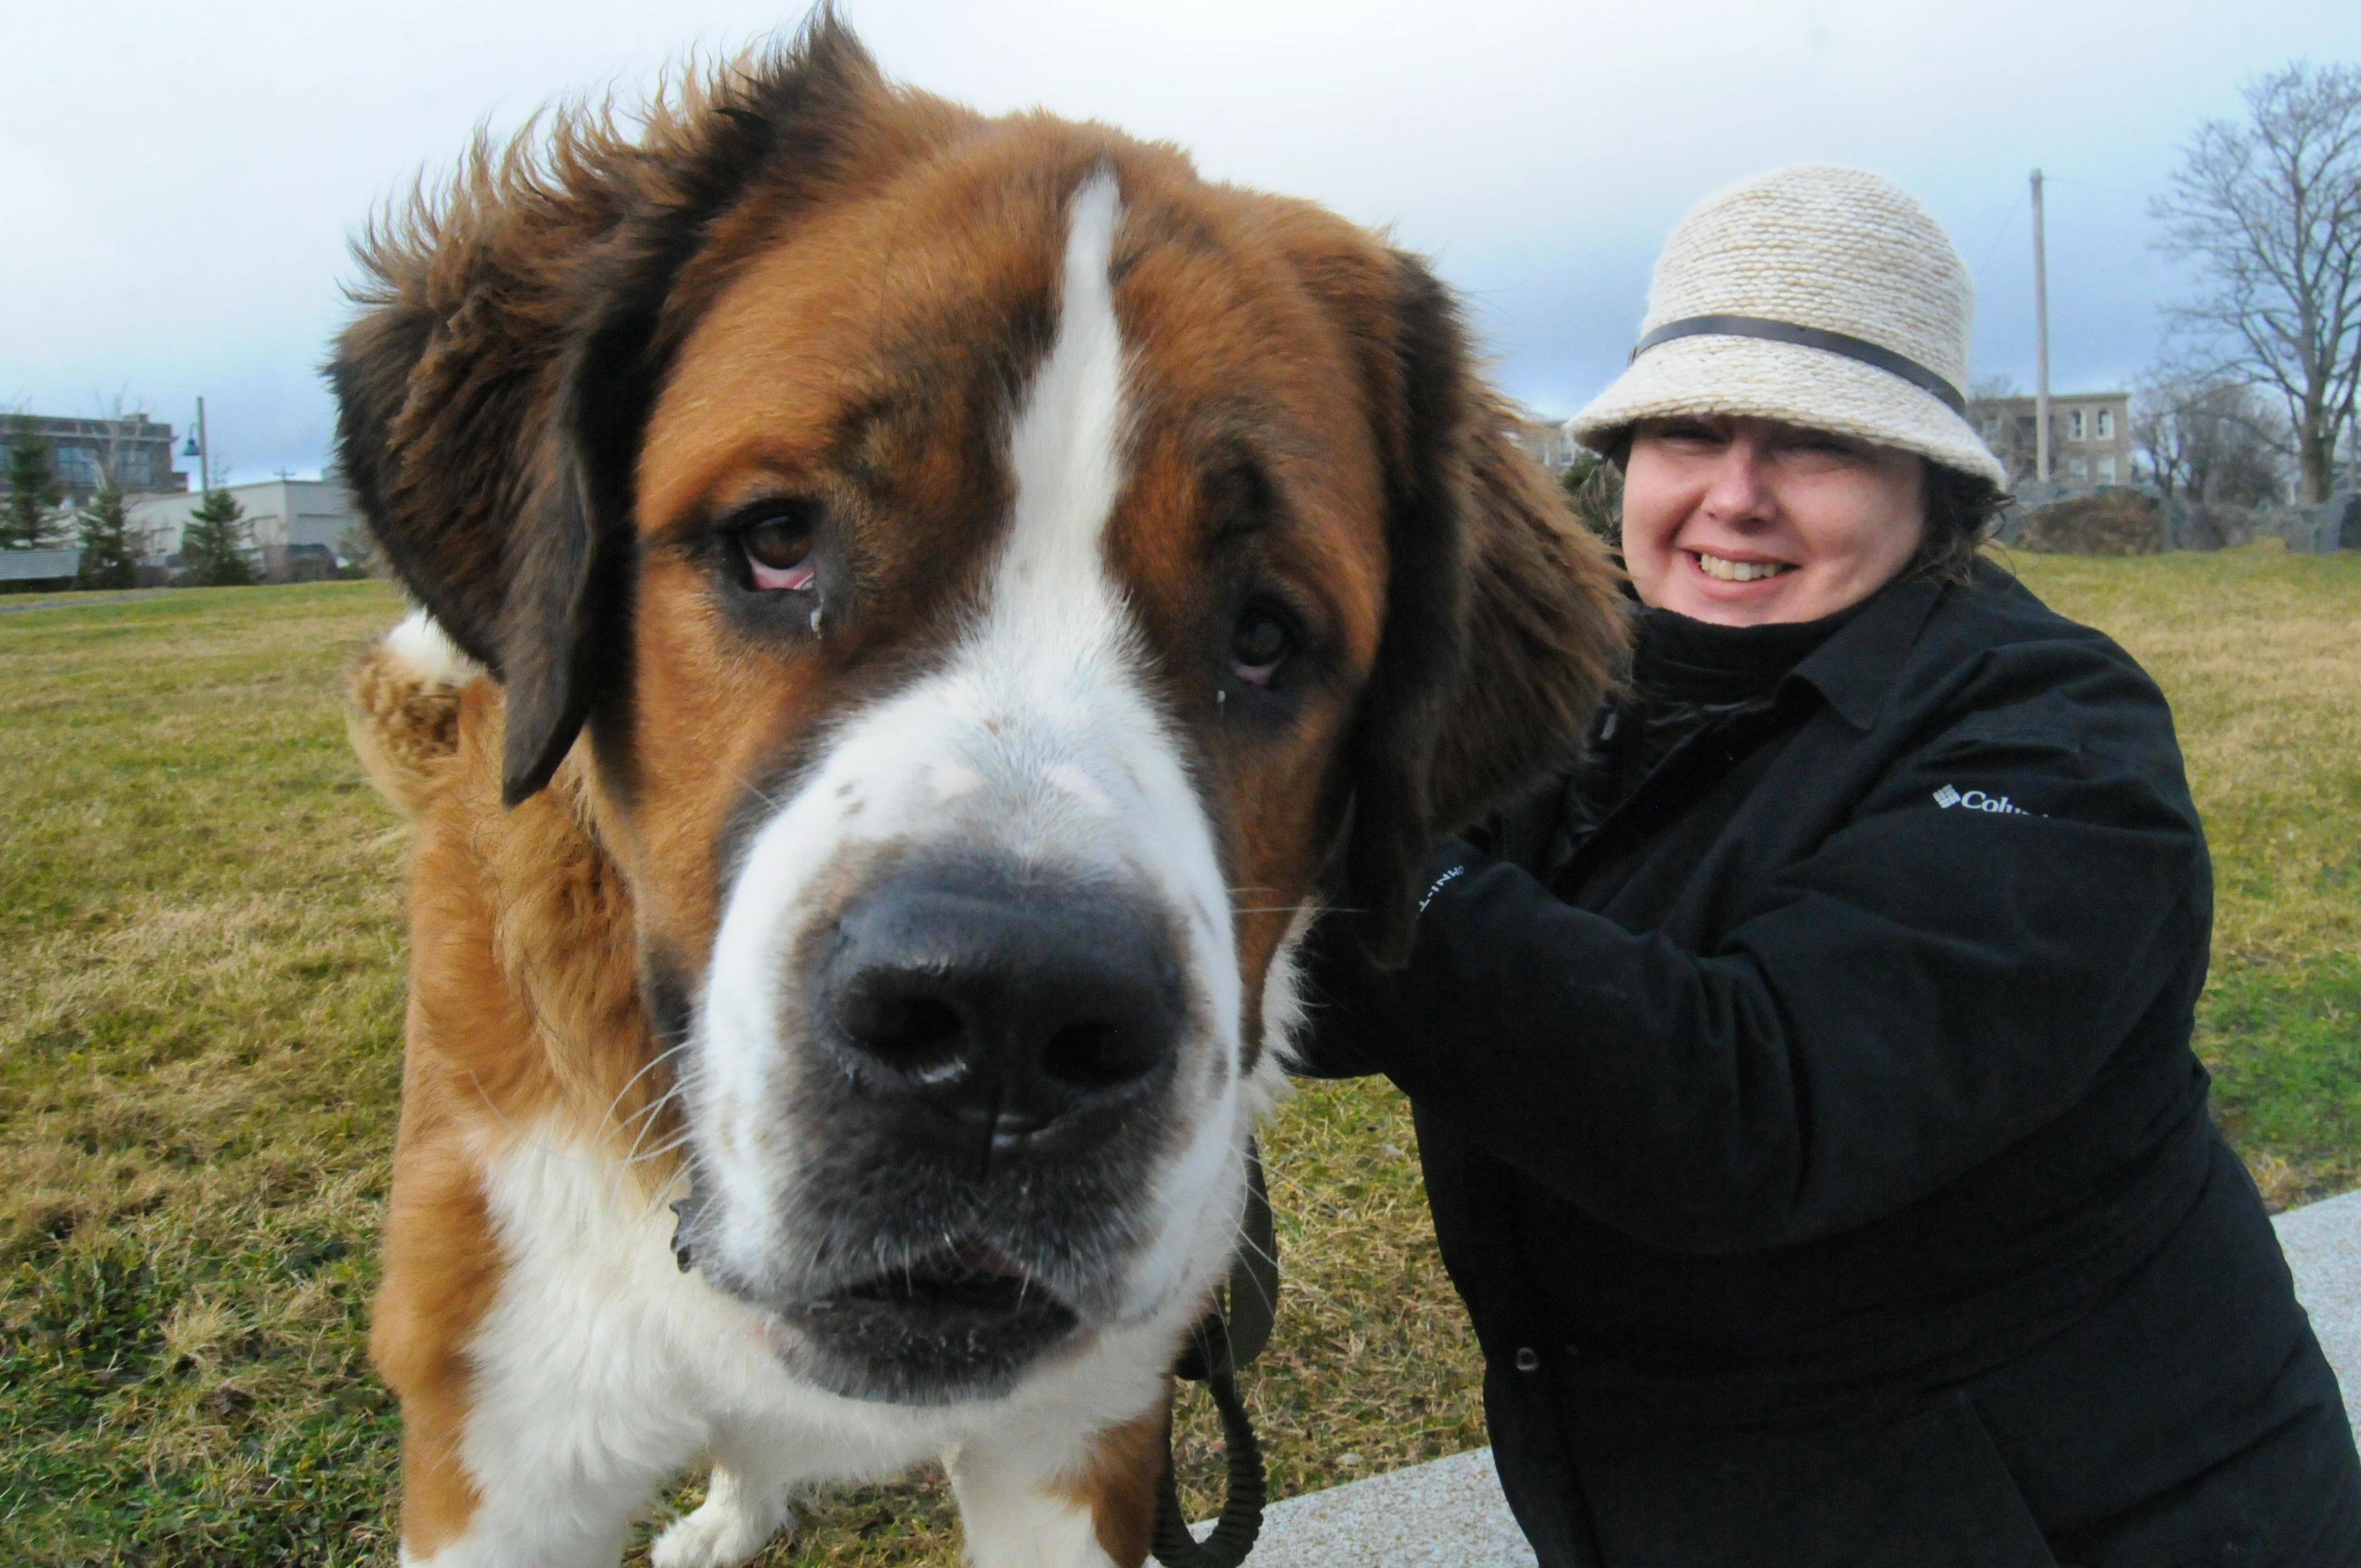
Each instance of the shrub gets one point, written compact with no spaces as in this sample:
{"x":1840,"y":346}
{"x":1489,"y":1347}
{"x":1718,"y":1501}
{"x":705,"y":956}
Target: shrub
{"x":103,"y":531}
{"x":1593,"y":487}
{"x":216,"y":546}
{"x":2113,"y":522}
{"x":29,"y":521}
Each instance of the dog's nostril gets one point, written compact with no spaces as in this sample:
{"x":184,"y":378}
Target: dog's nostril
{"x":1004,"y":1003}
{"x":1095,"y":1056}
{"x":912,"y":1033}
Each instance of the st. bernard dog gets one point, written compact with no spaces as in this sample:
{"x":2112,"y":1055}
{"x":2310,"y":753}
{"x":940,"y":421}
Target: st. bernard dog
{"x":909,"y":603}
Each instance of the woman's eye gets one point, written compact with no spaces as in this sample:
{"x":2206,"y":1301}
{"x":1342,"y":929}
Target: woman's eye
{"x":779,"y":552}
{"x":1688,"y":429}
{"x":1260,"y":643}
{"x":1684,"y":437}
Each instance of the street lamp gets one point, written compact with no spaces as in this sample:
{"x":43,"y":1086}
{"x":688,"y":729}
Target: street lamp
{"x":197,"y":449}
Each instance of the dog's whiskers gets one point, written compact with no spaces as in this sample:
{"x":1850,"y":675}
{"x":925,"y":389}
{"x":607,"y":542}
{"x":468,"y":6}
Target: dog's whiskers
{"x":632,"y":1156}
{"x":757,"y":791}
{"x":658,"y":1059}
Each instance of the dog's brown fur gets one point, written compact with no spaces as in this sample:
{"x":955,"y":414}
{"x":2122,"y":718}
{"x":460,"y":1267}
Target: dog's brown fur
{"x":721,"y":267}
{"x":523,"y":1000}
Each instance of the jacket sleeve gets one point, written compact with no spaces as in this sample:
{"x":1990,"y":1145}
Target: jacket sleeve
{"x":1947,"y":971}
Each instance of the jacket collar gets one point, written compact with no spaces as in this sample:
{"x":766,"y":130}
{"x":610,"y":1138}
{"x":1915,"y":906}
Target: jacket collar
{"x":1856,"y":669}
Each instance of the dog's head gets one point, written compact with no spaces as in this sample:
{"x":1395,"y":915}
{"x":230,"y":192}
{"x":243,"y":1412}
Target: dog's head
{"x":987,"y":563}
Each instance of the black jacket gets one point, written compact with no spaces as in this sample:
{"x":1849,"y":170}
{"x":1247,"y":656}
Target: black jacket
{"x":1821,"y":1152}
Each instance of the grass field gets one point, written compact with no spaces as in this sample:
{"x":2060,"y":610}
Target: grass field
{"x":200,"y":1001}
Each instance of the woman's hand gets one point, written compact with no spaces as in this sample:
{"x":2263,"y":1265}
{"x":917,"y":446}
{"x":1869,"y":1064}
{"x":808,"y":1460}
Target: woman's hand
{"x":1351,"y":1007}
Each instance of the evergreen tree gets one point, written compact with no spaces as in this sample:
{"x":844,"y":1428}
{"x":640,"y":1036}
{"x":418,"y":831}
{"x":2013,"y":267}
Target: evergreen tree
{"x":213,"y":546}
{"x":356,"y":548}
{"x":33,"y":490}
{"x":1593,"y":487}
{"x":104,"y":534}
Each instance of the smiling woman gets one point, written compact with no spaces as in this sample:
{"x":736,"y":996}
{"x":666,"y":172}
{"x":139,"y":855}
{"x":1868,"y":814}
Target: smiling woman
{"x":1746,"y":521}
{"x":1804,"y":1077}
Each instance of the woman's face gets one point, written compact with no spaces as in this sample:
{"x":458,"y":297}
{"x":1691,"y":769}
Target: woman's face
{"x":1746,"y":522}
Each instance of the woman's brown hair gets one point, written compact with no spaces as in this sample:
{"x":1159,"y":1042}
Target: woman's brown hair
{"x":1961,"y":512}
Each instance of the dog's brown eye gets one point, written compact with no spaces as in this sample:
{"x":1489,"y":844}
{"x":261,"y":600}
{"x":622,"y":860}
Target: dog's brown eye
{"x":779,"y":552}
{"x":1260,"y":644}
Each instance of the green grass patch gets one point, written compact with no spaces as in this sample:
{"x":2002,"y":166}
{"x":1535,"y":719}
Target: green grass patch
{"x":201,"y":994}
{"x":2284,"y":1045}
{"x":2260,"y":653}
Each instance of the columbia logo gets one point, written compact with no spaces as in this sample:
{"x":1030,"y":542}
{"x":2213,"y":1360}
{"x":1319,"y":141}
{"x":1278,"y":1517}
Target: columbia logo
{"x":1977,"y":800}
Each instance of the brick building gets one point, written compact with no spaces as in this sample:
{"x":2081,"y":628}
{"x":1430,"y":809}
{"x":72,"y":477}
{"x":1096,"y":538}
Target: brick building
{"x":2090,"y":436}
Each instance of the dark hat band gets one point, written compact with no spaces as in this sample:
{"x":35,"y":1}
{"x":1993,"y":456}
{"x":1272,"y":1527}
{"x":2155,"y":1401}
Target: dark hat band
{"x":1851,"y":348}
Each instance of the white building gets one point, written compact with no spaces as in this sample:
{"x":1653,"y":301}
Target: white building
{"x":1549,"y":442}
{"x":280,"y":514}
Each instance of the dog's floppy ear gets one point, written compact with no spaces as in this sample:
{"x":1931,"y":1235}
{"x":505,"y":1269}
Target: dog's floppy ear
{"x":1503,"y":629}
{"x":493,"y":392}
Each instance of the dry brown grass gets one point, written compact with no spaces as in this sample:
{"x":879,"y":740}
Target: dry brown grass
{"x":2260,"y":652}
{"x":199,"y":1069}
{"x":200,"y":1002}
{"x":198,"y":1059}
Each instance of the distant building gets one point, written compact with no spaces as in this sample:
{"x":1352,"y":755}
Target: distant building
{"x":2090,"y":436}
{"x":1547,"y":441}
{"x":291,"y":521}
{"x":137,"y":450}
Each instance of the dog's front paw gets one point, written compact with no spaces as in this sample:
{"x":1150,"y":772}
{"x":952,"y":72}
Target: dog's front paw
{"x":730,"y":1526}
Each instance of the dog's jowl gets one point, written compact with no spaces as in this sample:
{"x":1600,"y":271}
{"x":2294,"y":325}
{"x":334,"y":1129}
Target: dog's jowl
{"x":909,"y":603}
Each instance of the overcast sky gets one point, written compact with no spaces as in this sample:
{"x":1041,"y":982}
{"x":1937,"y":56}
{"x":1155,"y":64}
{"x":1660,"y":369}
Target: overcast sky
{"x":177,"y":182}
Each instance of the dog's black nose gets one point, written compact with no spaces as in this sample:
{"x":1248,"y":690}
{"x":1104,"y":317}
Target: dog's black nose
{"x":1013,"y":1006}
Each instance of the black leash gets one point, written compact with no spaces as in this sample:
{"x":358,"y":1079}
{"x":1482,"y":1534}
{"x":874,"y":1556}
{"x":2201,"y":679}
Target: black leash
{"x":1227,"y":1338}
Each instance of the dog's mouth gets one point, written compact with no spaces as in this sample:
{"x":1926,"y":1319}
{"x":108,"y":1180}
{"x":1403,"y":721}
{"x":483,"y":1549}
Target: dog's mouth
{"x":969,"y":1282}
{"x":959,"y":1322}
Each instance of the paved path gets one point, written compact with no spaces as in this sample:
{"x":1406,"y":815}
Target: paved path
{"x":78,"y":602}
{"x":2322,"y":1241}
{"x":1450,"y":1514}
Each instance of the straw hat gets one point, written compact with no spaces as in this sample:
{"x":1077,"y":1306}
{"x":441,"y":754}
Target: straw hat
{"x":1822,"y":296}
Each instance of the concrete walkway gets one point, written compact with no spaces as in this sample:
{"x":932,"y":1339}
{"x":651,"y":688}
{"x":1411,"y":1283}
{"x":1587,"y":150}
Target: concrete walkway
{"x":1450,"y":1514}
{"x":2322,"y":1243}
{"x":78,"y":602}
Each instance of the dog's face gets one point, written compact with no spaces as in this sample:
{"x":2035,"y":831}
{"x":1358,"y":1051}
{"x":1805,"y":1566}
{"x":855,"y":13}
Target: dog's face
{"x":1001,"y":675}
{"x":988,"y":560}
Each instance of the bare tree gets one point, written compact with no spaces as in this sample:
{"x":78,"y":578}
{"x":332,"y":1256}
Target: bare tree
{"x":118,"y":451}
{"x":2209,"y":438}
{"x":2008,"y":433}
{"x":2270,"y":211}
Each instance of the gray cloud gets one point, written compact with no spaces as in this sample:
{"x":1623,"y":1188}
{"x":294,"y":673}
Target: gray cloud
{"x":179,"y":184}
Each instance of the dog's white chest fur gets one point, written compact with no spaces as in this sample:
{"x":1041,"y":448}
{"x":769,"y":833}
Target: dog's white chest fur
{"x":601,"y":1371}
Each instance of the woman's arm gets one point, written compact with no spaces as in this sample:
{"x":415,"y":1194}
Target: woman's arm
{"x":1932,"y":985}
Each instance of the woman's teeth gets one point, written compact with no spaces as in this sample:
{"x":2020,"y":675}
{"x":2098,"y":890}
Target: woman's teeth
{"x":1730,"y":571}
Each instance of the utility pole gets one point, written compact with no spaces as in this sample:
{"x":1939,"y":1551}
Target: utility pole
{"x":205,"y":453}
{"x":2040,"y":334}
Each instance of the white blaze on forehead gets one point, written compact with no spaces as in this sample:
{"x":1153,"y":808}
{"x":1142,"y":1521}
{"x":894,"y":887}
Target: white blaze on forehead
{"x":1064,"y":448}
{"x":1037,"y":742}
